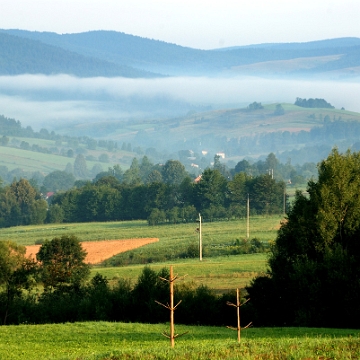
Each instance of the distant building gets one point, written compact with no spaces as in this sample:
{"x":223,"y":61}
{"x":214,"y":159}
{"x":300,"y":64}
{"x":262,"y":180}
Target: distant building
{"x":197,"y":179}
{"x":221,"y":154}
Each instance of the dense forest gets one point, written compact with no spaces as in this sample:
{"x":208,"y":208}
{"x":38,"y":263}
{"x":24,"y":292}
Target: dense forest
{"x":155,"y":193}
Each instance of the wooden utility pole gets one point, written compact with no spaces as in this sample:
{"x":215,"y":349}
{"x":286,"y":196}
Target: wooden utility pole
{"x":248,"y":217}
{"x":238,"y":328}
{"x":200,"y":239}
{"x":172,"y":308}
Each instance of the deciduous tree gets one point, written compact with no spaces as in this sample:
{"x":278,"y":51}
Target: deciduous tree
{"x":316,"y":257}
{"x":62,"y":262}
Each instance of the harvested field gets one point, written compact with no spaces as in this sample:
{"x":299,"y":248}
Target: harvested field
{"x":98,"y":251}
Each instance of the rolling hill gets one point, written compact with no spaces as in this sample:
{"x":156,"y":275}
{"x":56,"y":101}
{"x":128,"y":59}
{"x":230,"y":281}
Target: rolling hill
{"x":110,"y":53}
{"x":302,"y":134}
{"x":26,"y":56}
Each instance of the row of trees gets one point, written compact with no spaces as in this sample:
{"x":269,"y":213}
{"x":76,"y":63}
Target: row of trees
{"x":68,"y":296}
{"x":214,"y":196}
{"x":146,"y":191}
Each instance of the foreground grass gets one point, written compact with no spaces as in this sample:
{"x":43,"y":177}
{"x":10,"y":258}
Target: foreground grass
{"x":222,"y":273}
{"x":113,"y":341}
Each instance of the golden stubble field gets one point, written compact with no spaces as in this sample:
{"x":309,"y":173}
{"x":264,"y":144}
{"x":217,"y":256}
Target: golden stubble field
{"x":98,"y":251}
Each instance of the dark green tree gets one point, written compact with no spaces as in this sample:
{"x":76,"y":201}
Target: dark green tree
{"x":20,"y":204}
{"x":58,"y":180}
{"x":62,"y":263}
{"x":210,"y":191}
{"x":17,"y":273}
{"x":132,"y":175}
{"x":173,"y":172}
{"x":316,"y":257}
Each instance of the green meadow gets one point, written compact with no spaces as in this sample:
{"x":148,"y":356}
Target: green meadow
{"x":112,"y":341}
{"x":217,"y":271}
{"x":170,"y":236}
{"x":220,"y":273}
{"x":105,"y":340}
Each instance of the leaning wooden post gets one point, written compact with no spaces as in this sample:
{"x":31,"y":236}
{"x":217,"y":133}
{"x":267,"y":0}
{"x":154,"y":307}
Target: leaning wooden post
{"x":238,"y":328}
{"x":172,"y":308}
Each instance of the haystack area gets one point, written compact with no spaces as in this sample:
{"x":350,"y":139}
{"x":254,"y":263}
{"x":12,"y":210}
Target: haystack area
{"x":98,"y":251}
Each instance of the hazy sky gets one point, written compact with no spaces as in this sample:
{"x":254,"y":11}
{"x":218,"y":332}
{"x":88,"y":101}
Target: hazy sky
{"x":202,"y":24}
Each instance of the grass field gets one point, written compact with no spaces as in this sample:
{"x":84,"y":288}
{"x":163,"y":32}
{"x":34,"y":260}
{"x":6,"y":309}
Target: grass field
{"x":102,"y":340}
{"x":223,"y":273}
{"x":220,"y":273}
{"x":262,"y":227}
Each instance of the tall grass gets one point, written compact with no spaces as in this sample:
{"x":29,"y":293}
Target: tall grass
{"x":102,"y":340}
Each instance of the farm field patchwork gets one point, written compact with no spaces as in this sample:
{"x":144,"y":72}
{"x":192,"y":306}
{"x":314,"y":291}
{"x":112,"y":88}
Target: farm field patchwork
{"x":104,"y":340}
{"x":262,"y":227}
{"x":98,"y":251}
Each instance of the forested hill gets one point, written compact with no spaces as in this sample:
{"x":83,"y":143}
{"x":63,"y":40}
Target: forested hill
{"x":117,"y":49}
{"x":25,"y":56}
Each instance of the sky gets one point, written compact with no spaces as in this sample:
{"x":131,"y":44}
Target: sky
{"x":203,"y":24}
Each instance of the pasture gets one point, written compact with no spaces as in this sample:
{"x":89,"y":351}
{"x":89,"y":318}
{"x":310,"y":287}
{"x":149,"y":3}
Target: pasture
{"x":221,"y":273}
{"x":105,"y":341}
{"x":170,"y":235}
{"x":218,"y":270}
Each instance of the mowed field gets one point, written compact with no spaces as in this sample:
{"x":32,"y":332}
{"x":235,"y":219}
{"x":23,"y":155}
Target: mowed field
{"x":219,"y":272}
{"x":98,"y":251}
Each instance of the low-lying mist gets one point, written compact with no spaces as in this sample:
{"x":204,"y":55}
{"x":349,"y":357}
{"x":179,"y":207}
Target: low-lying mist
{"x":52,"y":101}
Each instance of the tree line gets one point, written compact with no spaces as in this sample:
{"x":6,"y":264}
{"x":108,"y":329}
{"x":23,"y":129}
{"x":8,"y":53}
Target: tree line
{"x":108,"y":200}
{"x":157,"y":193}
{"x":68,"y":295}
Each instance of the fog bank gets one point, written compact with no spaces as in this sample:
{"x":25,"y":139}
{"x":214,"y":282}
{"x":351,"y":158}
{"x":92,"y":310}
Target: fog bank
{"x":44,"y":101}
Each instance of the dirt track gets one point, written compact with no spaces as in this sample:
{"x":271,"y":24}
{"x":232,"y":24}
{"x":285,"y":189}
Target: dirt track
{"x":98,"y":251}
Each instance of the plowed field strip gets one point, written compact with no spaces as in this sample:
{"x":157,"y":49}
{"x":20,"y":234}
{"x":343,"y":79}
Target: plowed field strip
{"x":98,"y":251}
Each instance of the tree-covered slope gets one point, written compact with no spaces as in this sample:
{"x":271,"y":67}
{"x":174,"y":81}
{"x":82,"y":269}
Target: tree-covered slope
{"x":25,"y":56}
{"x":161,"y":57}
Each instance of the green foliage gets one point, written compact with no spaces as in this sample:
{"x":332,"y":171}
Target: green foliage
{"x":20,"y":204}
{"x":279,"y":110}
{"x":316,"y":254}
{"x":173,"y":172}
{"x":80,"y":167}
{"x":58,"y":180}
{"x":313,"y":103}
{"x":62,"y":263}
{"x":16,"y":274}
{"x":255,"y":106}
{"x":156,"y":217}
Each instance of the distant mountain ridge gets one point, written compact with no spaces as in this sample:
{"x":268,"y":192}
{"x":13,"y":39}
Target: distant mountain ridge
{"x":111,"y":53}
{"x":20,"y":55}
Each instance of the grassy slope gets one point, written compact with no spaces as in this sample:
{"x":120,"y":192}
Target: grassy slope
{"x":235,"y":123}
{"x":35,"y":161}
{"x":231,"y":123}
{"x":103,"y":340}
